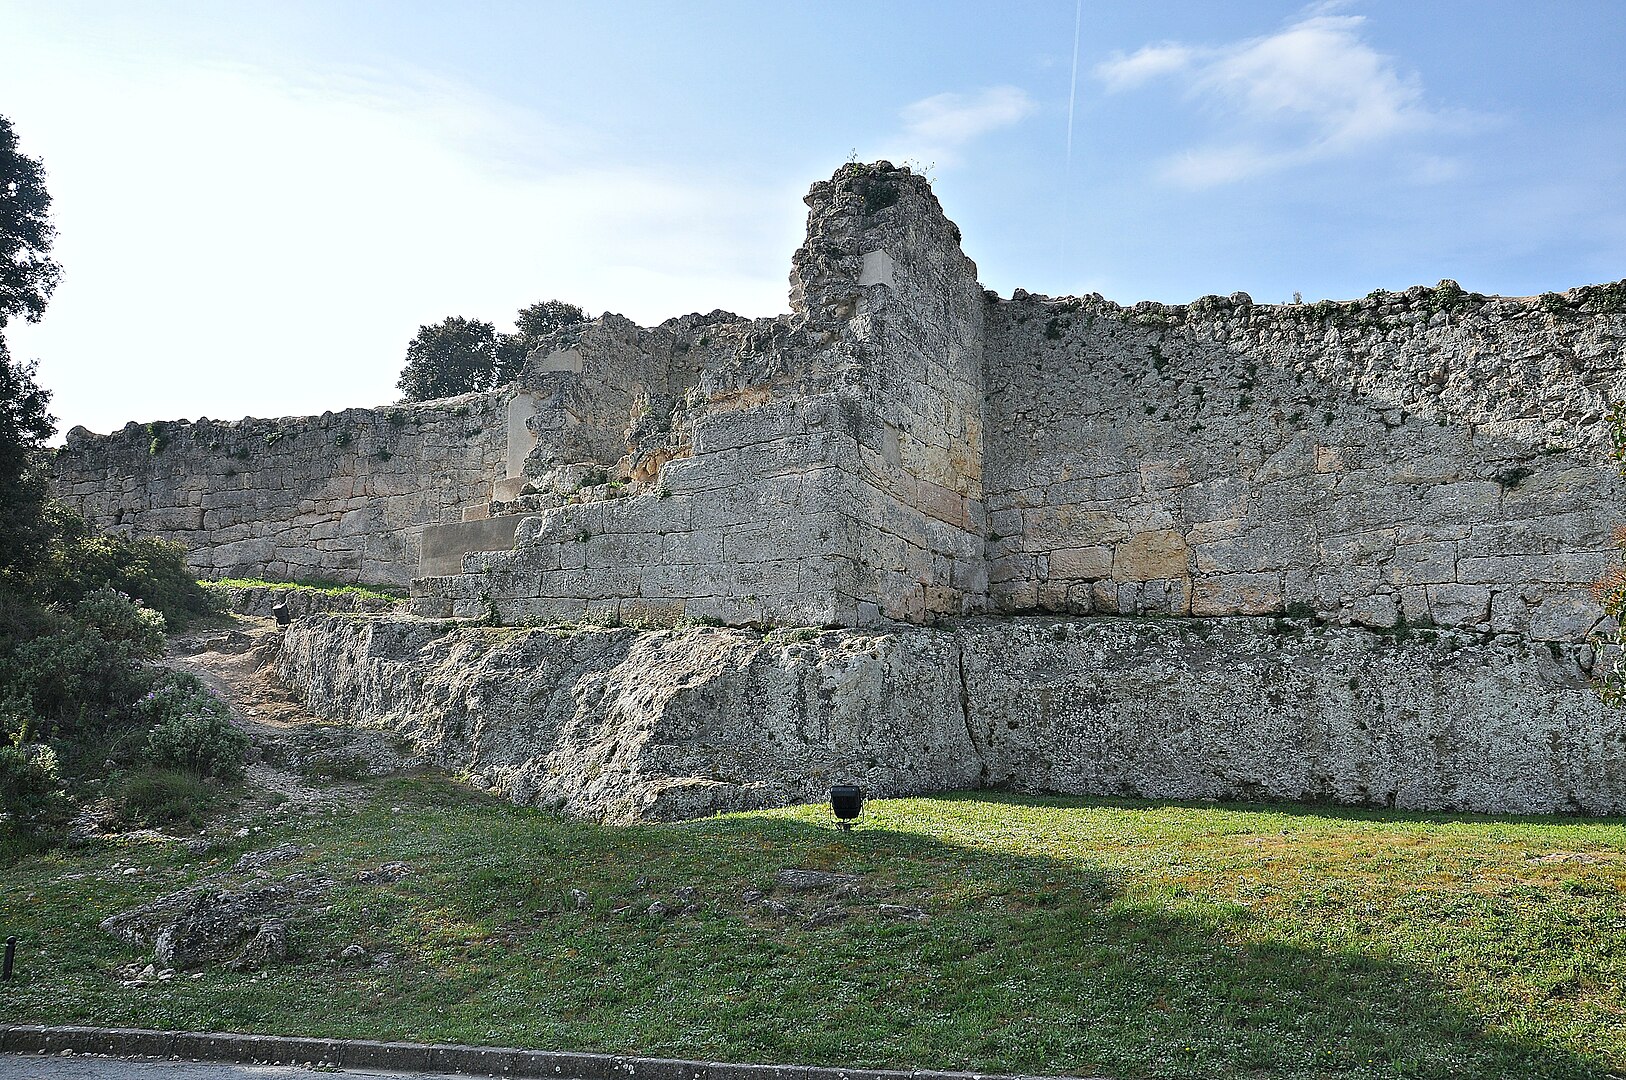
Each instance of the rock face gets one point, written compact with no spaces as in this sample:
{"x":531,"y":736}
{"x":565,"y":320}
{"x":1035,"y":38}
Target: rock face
{"x":627,"y":725}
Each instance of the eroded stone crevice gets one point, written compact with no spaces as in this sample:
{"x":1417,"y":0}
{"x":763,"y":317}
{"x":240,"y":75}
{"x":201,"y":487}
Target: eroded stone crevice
{"x":625,"y":725}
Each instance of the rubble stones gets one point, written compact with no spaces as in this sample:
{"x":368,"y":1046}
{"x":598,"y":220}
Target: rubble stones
{"x":257,"y":861}
{"x":808,"y":881}
{"x":241,"y":927}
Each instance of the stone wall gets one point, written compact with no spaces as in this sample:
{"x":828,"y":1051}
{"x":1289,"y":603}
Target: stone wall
{"x":341,"y":496}
{"x":819,"y":468}
{"x":1431,"y":457}
{"x":902,"y":446}
{"x":627,"y":725}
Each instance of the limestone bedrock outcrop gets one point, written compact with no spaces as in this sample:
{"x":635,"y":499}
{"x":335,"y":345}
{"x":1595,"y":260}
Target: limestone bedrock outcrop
{"x":626,"y":725}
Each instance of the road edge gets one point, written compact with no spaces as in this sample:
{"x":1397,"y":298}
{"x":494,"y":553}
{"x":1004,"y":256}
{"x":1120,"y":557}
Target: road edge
{"x":422,"y":1057}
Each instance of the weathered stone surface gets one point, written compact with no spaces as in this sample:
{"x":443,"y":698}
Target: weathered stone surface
{"x":244,"y":929}
{"x":625,"y":725}
{"x":341,"y":496}
{"x":902,"y":446}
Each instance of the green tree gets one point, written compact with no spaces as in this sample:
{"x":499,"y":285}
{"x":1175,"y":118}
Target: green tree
{"x":28,"y":275}
{"x":450,"y":357}
{"x":456,"y":355}
{"x":24,"y":426}
{"x":532,"y":326}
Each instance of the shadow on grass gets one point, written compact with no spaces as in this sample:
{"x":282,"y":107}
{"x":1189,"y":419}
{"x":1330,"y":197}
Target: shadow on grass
{"x":1054,"y":969}
{"x":1025,"y":963}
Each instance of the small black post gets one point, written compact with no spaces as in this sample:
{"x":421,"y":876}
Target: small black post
{"x":11,"y":958}
{"x":847,"y":802}
{"x":279,"y":611}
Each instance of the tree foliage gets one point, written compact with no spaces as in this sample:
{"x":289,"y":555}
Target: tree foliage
{"x":453,"y":356}
{"x":25,"y":424}
{"x":28,"y":275}
{"x":27,"y":278}
{"x":458,"y":355}
{"x":533,"y":326}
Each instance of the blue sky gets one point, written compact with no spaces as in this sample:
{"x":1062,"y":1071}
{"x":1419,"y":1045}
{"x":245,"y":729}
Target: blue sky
{"x":259,"y":203}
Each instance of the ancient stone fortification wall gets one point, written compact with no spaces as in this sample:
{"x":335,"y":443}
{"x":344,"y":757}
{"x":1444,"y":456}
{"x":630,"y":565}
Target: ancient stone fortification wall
{"x":819,"y":468}
{"x":1429,"y":457}
{"x":901,"y":446}
{"x":627,"y":725}
{"x":340,"y":496}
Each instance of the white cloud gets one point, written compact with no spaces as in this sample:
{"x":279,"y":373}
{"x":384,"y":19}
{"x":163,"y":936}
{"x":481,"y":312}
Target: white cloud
{"x":237,"y":242}
{"x":1314,"y":91}
{"x":937,"y":129}
{"x":1126,"y":72}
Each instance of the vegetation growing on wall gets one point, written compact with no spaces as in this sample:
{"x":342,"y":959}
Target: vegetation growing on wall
{"x":1610,"y":672}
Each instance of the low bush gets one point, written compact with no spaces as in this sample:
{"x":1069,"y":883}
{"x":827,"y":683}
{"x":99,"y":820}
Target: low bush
{"x":71,"y":680}
{"x":32,"y":803}
{"x":119,"y":619}
{"x":82,"y":560}
{"x":191,"y":729}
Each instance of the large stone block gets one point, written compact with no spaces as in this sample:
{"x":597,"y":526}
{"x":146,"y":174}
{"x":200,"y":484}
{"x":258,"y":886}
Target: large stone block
{"x":1237,"y":594}
{"x":1459,"y":605}
{"x":1150,"y":556}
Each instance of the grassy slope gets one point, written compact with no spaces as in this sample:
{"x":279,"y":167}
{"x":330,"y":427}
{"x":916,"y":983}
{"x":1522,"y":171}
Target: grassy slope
{"x":1066,"y":936}
{"x":331,"y":588}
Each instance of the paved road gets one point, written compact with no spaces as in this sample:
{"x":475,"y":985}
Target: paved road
{"x":43,"y":1067}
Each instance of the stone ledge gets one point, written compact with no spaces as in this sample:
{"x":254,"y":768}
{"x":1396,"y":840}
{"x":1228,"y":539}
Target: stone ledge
{"x":421,"y":1057}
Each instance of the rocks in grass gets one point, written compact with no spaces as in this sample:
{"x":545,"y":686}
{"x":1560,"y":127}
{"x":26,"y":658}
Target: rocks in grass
{"x":256,"y":861}
{"x":267,"y":947}
{"x":241,"y":928}
{"x":384,"y":874}
{"x":205,"y":924}
{"x":809,"y":881}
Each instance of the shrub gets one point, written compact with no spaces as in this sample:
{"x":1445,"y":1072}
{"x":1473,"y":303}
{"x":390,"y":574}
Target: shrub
{"x":72,"y":678}
{"x":117,"y":618}
{"x":32,"y":803}
{"x":191,"y":728}
{"x":81,"y":560}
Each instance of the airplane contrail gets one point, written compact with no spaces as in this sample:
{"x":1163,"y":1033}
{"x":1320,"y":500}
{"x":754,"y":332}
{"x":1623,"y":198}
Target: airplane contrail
{"x":1072,"y":90}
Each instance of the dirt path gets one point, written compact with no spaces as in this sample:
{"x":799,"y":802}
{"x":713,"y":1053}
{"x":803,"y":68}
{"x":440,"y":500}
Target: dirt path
{"x":298,"y":760}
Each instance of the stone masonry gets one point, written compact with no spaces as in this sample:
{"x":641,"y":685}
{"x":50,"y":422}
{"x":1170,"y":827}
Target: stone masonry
{"x":905,"y":447}
{"x":341,"y":496}
{"x":1335,"y":552}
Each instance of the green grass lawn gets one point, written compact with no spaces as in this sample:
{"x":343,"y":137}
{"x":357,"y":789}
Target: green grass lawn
{"x":330,"y":588}
{"x":1069,"y":936}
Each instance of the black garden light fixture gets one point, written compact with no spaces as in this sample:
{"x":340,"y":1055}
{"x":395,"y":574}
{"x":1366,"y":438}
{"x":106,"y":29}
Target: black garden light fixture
{"x":847,"y":802}
{"x":279,"y":611}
